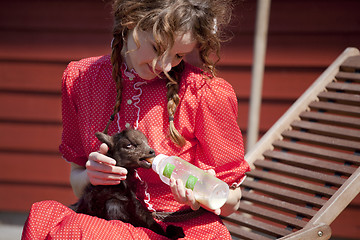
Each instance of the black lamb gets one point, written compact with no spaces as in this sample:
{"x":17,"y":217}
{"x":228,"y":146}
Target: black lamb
{"x":130,"y":149}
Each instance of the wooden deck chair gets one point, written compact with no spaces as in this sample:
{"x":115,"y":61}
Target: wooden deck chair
{"x":306,"y":167}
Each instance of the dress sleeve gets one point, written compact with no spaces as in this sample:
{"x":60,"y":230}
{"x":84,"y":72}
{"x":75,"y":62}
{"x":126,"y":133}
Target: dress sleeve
{"x":221,"y":144}
{"x":71,"y":145}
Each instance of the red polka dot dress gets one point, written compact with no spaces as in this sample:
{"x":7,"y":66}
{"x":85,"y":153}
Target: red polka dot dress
{"x":205,"y":117}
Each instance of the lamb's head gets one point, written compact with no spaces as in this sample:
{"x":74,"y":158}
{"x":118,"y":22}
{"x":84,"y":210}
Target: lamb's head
{"x":129,"y":148}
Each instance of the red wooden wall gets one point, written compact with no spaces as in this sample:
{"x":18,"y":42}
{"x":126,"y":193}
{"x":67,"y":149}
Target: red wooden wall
{"x":39,"y":37}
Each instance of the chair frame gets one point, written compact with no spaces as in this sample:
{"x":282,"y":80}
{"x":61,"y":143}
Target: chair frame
{"x":318,"y":226}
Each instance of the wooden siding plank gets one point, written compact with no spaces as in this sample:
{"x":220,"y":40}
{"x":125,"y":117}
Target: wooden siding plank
{"x":20,"y":197}
{"x":24,"y":107}
{"x":283,"y":47}
{"x":59,"y":15}
{"x":63,"y":47}
{"x":278,"y":82}
{"x":61,"y":53}
{"x":271,"y":110}
{"x":39,"y":138}
{"x":319,"y":19}
{"x":346,"y":225}
{"x":96,"y":15}
{"x":15,"y":168}
{"x":31,"y":77}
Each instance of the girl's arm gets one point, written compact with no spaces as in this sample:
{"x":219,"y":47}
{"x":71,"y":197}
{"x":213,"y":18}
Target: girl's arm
{"x":232,"y":203}
{"x":78,"y":179}
{"x":99,"y":170}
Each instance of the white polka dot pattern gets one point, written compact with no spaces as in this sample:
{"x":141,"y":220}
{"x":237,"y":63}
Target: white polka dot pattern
{"x":52,"y":220}
{"x":206,"y":117}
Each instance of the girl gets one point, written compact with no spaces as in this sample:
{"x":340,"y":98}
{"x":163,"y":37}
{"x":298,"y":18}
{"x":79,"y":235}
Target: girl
{"x":183,"y":110}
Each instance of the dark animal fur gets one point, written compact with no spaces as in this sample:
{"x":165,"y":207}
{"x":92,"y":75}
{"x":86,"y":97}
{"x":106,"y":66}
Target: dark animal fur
{"x":130,"y":149}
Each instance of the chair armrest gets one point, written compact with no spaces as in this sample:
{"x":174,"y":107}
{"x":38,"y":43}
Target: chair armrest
{"x":321,"y":231}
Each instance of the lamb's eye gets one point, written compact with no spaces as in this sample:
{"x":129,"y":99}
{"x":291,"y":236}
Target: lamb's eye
{"x":129,"y":146}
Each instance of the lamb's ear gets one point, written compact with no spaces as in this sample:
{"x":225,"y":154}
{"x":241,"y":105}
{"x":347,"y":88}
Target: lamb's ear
{"x":104,"y":138}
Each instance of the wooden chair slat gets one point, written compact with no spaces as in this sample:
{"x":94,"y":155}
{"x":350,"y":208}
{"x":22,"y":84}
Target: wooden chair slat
{"x":278,"y":204}
{"x":244,"y":233}
{"x":305,"y":172}
{"x":299,"y":172}
{"x":272,"y":216}
{"x":341,"y":86}
{"x":322,"y":140}
{"x":336,"y":108}
{"x":325,"y":129}
{"x":346,"y":98}
{"x":292,"y":183}
{"x":352,"y":62}
{"x":256,"y":225}
{"x":282,"y":193}
{"x":309,"y":163}
{"x":318,"y":152}
{"x":340,"y":120}
{"x":348,"y":76}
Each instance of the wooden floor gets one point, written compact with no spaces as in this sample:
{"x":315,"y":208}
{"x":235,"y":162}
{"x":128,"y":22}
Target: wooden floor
{"x":39,"y":38}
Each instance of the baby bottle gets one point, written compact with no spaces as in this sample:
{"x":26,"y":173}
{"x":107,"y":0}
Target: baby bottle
{"x":208,"y":190}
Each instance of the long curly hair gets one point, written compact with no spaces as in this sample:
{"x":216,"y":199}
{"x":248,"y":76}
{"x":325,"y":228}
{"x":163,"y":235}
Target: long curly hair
{"x":166,"y":18}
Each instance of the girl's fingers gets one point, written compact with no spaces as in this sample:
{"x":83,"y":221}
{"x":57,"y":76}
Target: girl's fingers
{"x":186,"y":196}
{"x":195,"y":205}
{"x":183,"y":195}
{"x":174,"y":189}
{"x":181,"y":191}
{"x":211,"y":171}
{"x":106,"y":176}
{"x":102,"y":170}
{"x":97,"y":177}
{"x":103,"y":148}
{"x":101,"y":158}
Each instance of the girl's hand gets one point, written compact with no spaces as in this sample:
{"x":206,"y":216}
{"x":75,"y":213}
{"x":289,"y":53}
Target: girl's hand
{"x":186,"y":196}
{"x":101,"y":169}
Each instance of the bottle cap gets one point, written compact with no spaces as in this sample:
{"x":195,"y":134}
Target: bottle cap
{"x":156,"y":161}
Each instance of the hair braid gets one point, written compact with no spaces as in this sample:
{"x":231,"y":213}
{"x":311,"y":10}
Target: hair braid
{"x":173,"y":102}
{"x":116,"y":74}
{"x":166,"y":18}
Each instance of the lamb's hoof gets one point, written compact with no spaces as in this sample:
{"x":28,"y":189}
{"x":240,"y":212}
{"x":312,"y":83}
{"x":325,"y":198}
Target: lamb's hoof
{"x":174,"y":232}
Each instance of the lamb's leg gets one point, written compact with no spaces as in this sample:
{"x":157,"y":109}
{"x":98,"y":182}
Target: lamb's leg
{"x":146,"y":220}
{"x":172,"y":232}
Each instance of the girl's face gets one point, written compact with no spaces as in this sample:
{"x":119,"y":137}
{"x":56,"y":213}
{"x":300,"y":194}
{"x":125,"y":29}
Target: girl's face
{"x":141,"y":59}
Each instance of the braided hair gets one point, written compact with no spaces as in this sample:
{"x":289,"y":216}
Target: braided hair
{"x":165,"y":19}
